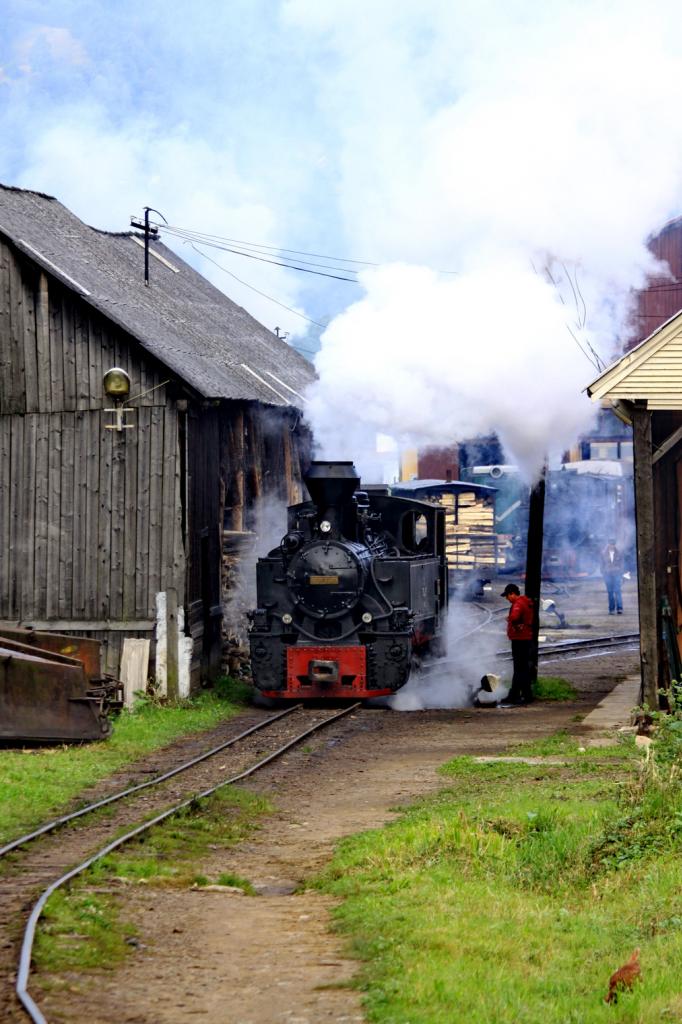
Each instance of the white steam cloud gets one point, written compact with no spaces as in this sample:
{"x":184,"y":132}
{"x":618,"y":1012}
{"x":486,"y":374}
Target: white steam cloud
{"x":531,"y":150}
{"x":455,"y":681}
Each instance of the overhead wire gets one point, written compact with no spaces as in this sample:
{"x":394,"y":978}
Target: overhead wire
{"x":593,"y":358}
{"x":259,"y":292}
{"x":263,"y":249}
{"x":194,"y":238}
{"x":268,"y":248}
{"x":277,"y":263}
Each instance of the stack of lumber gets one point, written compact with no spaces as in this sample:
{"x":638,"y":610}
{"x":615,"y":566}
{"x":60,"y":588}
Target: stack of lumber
{"x":470,"y":538}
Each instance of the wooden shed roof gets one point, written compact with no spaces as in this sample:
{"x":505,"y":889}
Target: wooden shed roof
{"x":651,"y":372}
{"x":198,"y":332}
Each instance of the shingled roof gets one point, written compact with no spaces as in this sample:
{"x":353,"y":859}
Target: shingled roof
{"x":197,"y":331}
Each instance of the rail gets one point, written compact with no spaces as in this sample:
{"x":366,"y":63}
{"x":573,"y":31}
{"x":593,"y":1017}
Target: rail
{"x":51,"y":826}
{"x":23,"y":972}
{"x":565,"y":648}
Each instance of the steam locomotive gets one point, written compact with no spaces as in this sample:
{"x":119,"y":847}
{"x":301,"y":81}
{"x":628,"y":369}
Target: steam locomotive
{"x":355,"y":593}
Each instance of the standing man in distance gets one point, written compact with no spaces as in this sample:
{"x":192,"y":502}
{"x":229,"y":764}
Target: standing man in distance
{"x":612,"y":566}
{"x":520,"y":632}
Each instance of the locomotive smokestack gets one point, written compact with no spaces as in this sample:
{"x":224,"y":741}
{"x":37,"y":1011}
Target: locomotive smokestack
{"x":331,"y":485}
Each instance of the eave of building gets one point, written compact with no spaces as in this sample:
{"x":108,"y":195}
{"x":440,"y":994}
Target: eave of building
{"x":651,"y":372}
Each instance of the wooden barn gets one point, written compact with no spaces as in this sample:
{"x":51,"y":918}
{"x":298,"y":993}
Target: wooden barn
{"x":115,"y":510}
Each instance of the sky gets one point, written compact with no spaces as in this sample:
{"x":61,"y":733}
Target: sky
{"x":496,"y":166}
{"x":206,"y":111}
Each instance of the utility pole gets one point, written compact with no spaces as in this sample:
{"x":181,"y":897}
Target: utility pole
{"x":150,"y":231}
{"x":536,"y":518}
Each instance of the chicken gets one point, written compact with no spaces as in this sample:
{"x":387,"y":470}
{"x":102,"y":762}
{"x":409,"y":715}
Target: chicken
{"x":624,"y":977}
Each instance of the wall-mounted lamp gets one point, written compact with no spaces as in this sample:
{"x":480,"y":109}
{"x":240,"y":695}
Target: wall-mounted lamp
{"x":117,"y":387}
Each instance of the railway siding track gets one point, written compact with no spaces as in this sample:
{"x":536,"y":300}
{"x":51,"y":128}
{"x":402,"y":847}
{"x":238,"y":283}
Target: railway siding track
{"x":34,"y":870}
{"x":605,"y":643}
{"x":564,"y":648}
{"x":64,"y":819}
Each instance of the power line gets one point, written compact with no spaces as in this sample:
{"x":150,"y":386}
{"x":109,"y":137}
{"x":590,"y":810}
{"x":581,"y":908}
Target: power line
{"x":196,"y":237}
{"x":262,"y":259}
{"x":594,"y":357}
{"x":271,"y":248}
{"x":260,"y":249}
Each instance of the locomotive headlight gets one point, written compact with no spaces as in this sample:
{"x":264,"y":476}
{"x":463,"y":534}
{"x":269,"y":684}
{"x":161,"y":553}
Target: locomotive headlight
{"x":325,"y":526}
{"x":367,"y":617}
{"x":287,"y":619}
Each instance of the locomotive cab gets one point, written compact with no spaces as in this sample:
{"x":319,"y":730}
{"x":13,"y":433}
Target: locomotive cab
{"x":354,"y":593}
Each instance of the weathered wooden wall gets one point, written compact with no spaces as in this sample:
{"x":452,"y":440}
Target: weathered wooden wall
{"x":90,"y":519}
{"x":666,"y":529}
{"x":204,"y":535}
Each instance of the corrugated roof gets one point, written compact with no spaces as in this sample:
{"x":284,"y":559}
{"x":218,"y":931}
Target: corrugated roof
{"x":197,"y":331}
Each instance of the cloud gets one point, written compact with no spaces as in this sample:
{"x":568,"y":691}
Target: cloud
{"x":46,"y":44}
{"x":106,"y":174}
{"x":500,"y":142}
{"x":429,"y":359}
{"x":198,"y":110}
{"x":495,"y":137}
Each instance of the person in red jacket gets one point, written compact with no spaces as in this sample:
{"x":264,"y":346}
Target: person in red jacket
{"x":520,"y":632}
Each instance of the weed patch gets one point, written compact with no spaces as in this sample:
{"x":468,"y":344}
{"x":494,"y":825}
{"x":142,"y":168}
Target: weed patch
{"x":514,"y":894}
{"x":81,"y":930}
{"x":236,"y":882}
{"x":553,"y":688}
{"x":169,"y":853}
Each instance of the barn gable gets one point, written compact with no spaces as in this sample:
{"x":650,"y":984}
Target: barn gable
{"x":180,"y":319}
{"x":651,"y":372}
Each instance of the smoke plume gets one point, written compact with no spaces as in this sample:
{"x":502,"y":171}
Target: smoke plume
{"x":505,"y":164}
{"x":455,"y":681}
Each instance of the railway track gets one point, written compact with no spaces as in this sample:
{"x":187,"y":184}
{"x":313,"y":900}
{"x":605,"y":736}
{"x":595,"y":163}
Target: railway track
{"x":592,"y":647}
{"x":64,"y":819}
{"x":37,"y":870}
{"x":604,"y":644}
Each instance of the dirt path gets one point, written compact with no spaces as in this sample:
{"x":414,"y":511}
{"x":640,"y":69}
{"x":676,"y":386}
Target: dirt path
{"x":234,"y":959}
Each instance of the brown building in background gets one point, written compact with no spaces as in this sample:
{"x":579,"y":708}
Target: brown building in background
{"x":438,"y":463}
{"x":662,"y":298}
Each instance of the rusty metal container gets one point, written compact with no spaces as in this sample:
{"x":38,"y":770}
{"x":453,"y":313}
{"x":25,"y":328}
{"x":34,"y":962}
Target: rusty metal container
{"x":83,"y":649}
{"x":49,"y":696}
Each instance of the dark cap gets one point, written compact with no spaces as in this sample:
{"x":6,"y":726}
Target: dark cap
{"x":511,"y":588}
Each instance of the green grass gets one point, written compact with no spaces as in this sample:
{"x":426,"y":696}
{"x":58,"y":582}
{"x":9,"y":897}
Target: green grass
{"x":82,"y":930}
{"x":513,"y":895}
{"x":38,"y":783}
{"x":566,"y":744}
{"x":553,"y":688}
{"x":236,"y":882}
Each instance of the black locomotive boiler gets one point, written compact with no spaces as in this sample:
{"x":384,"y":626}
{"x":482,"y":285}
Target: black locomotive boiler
{"x":353,"y":595}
